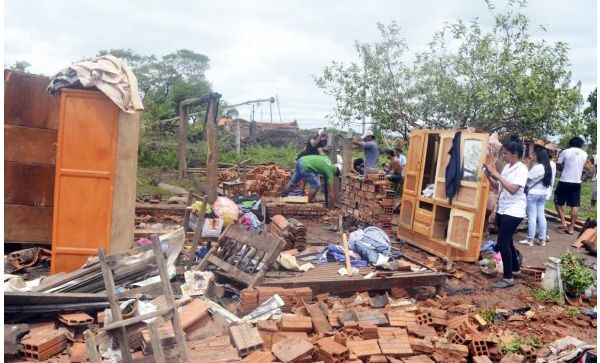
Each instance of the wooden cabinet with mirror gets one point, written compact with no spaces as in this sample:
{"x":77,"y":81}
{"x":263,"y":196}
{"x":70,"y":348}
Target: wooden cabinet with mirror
{"x":450,"y":228}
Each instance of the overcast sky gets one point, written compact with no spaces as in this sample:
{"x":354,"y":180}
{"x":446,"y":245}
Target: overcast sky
{"x":259,"y":49}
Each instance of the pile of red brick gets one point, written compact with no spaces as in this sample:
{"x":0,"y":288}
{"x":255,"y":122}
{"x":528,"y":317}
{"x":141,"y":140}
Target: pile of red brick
{"x":370,"y":199}
{"x":291,"y":230}
{"x":304,"y":211}
{"x":267,"y":181}
{"x":349,"y":330}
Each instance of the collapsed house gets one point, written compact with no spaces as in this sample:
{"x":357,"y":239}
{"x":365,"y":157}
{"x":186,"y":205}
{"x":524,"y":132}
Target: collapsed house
{"x":240,"y":278}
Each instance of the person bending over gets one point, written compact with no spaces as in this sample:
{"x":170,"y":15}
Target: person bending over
{"x":308,"y":168}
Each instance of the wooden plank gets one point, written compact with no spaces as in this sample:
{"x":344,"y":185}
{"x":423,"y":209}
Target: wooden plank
{"x":157,"y":349}
{"x":40,"y":298}
{"x":26,"y":102}
{"x":28,"y":184}
{"x":125,"y":181}
{"x":168,"y":293}
{"x":27,"y":224}
{"x":29,"y":145}
{"x":212,"y":153}
{"x":115,"y":310}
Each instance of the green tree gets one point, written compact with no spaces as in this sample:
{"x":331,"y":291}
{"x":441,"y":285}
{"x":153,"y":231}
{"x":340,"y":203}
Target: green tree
{"x":500,"y":79}
{"x":377,"y":86}
{"x":20,"y":66}
{"x":591,"y":118}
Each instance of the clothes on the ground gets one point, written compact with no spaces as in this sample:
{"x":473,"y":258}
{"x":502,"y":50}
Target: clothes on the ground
{"x":507,"y":225}
{"x":371,"y":151}
{"x":549,"y":191}
{"x":454,"y":170}
{"x":513,"y":204}
{"x":311,"y":150}
{"x":569,"y":193}
{"x":535,"y":180}
{"x":536,"y":216}
{"x":319,"y":164}
{"x":371,"y":243}
{"x":573,"y":159}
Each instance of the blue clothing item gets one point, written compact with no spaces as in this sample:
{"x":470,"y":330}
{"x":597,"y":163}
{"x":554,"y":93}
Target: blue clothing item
{"x":371,"y":151}
{"x":536,"y":216}
{"x":370,"y":243}
{"x":488,"y":246}
{"x":337,"y":253}
{"x":310,"y":178}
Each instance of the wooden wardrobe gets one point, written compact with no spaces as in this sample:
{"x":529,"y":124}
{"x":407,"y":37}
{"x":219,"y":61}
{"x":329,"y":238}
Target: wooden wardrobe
{"x":446,"y":228}
{"x":95,"y":179}
{"x":71,"y":170}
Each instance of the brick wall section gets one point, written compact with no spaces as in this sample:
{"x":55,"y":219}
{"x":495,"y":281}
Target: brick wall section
{"x":370,"y":199}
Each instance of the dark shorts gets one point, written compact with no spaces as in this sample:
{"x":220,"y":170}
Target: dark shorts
{"x":569,"y":193}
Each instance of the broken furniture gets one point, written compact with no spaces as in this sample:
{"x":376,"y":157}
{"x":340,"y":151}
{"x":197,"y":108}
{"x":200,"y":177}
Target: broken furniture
{"x":243,"y":254}
{"x":118,"y":326}
{"x":325,"y":278}
{"x":446,"y":228}
{"x":70,"y":170}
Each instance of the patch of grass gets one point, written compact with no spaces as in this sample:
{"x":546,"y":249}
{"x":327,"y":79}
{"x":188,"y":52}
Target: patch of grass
{"x":488,"y":315}
{"x":553,"y":296}
{"x":585,"y":211}
{"x":573,"y":311}
{"x":513,"y":347}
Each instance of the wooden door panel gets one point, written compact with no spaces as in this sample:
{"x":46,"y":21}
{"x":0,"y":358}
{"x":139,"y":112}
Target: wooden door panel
{"x":90,"y":143}
{"x":407,"y":211}
{"x":443,"y":159}
{"x":85,"y":166}
{"x":460,"y":228}
{"x":28,"y":184}
{"x":472,"y":159}
{"x":413,"y":163}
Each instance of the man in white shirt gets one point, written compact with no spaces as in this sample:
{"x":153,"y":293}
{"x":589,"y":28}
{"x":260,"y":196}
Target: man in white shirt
{"x":568,"y":190}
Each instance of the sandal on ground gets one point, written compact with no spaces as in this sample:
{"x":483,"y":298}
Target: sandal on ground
{"x":568,"y":231}
{"x":503,"y":283}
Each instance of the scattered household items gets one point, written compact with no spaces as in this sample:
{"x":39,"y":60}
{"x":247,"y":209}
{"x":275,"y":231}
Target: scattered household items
{"x":29,"y":257}
{"x":243,"y":254}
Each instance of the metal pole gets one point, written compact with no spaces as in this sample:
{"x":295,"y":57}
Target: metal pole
{"x":271,"y":111}
{"x":278,"y":109}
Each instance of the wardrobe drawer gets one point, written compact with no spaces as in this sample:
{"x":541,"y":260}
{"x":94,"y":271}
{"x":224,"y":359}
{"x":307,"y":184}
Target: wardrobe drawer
{"x":422,"y":228}
{"x":424,"y":218}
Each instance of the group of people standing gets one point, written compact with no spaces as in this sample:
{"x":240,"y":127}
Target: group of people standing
{"x":523,"y":192}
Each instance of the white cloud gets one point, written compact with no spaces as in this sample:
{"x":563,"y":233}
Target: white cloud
{"x":261,"y":48}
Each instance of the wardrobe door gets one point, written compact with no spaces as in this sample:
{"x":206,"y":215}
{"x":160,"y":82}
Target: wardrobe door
{"x":446,"y":138}
{"x":460,"y":228}
{"x":473,"y":152}
{"x":413,"y":163}
{"x":407,"y":211}
{"x":85,"y":167}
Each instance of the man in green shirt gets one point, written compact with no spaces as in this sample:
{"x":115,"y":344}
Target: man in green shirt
{"x":308,"y":168}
